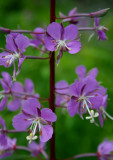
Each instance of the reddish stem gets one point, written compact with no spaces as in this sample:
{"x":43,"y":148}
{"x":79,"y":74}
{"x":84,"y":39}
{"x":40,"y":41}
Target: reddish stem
{"x":52,"y":83}
{"x":8,"y":31}
{"x":81,"y":156}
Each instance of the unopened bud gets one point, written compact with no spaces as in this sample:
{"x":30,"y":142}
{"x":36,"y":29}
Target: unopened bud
{"x":4,"y":30}
{"x":100,"y":13}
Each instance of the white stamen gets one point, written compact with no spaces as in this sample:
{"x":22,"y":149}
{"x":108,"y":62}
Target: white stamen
{"x":62,"y":43}
{"x":36,"y":122}
{"x":12,"y":57}
{"x":85,"y":101}
{"x":104,"y":112}
{"x":93,"y":115}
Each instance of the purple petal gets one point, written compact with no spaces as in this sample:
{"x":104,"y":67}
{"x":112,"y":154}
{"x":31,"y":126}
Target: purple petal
{"x":29,"y":86}
{"x":48,"y":115}
{"x":4,"y":85}
{"x":91,"y":85}
{"x":7,"y":78}
{"x":59,"y":99}
{"x":30,"y":106}
{"x":14,"y":105}
{"x":75,"y":46}
{"x":102,"y":35}
{"x":34,"y":146}
{"x":3,"y":103}
{"x":101,"y":120}
{"x":14,"y":35}
{"x":101,"y":90}
{"x":105,"y":147}
{"x":17,"y":87}
{"x":50,"y":44}
{"x":22,"y":42}
{"x":10,"y":44}
{"x":21,"y":60}
{"x":76,"y":87}
{"x":62,"y":87}
{"x":3,"y":60}
{"x":47,"y":132}
{"x":20,"y":122}
{"x":2,"y":122}
{"x":72,"y":12}
{"x":38,"y":36}
{"x":35,"y":42}
{"x":72,"y":107}
{"x":59,"y":56}
{"x":11,"y":142}
{"x":3,"y":139}
{"x":70,"y":32}
{"x":96,"y":101}
{"x":96,"y":20}
{"x":81,"y":71}
{"x":93,"y":72}
{"x":54,"y":30}
{"x":104,"y":103}
{"x":61,"y":14}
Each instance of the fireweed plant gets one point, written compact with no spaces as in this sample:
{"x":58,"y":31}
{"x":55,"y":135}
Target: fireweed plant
{"x":84,"y":95}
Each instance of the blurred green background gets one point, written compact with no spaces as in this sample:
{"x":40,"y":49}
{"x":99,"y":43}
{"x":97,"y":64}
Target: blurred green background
{"x":73,"y":135}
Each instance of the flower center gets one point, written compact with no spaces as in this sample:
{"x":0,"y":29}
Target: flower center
{"x":86,"y":101}
{"x":62,"y":44}
{"x":36,"y":122}
{"x":11,"y":58}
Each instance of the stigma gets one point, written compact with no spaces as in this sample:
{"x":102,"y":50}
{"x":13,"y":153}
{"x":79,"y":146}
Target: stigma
{"x":31,"y":137}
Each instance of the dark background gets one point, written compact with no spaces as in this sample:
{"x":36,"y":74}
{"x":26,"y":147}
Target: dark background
{"x":73,"y":135}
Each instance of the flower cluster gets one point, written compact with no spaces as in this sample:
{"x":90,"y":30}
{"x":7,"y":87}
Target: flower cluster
{"x":7,"y":145}
{"x":84,"y":95}
{"x":16,"y":91}
{"x":31,"y":114}
{"x":37,"y":120}
{"x":16,"y":45}
{"x":72,"y":20}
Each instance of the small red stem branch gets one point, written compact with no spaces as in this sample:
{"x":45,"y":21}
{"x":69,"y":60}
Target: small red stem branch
{"x":23,"y":94}
{"x":99,"y":13}
{"x":6,"y":30}
{"x":81,"y":156}
{"x":89,"y":155}
{"x":12,"y":131}
{"x":23,"y":148}
{"x":76,"y":15}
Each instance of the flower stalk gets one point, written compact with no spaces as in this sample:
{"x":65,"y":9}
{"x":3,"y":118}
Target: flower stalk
{"x":52,"y":83}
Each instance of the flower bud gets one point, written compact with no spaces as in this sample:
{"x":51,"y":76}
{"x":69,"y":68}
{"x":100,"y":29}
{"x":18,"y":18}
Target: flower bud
{"x":4,"y":30}
{"x":99,"y":13}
